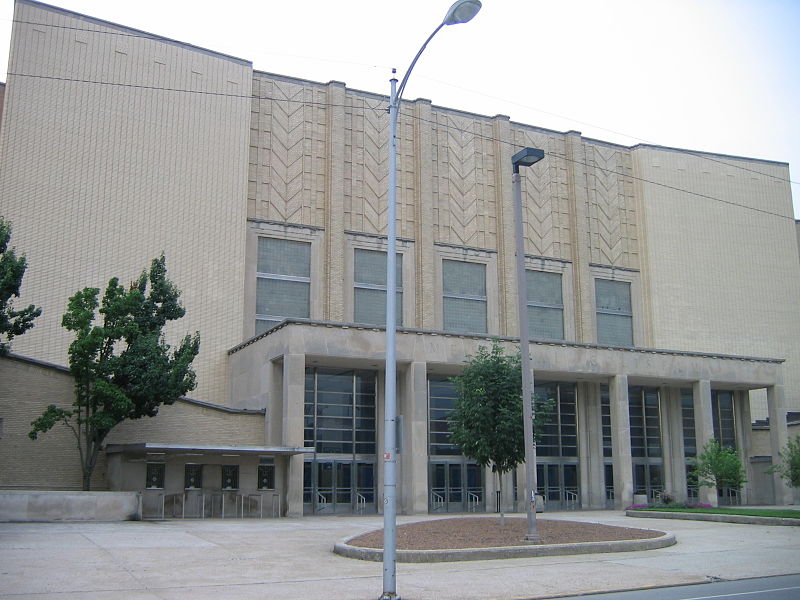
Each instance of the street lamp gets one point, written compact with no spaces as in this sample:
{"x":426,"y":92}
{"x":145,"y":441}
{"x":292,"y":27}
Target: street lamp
{"x":460,"y":12}
{"x":525,"y":158}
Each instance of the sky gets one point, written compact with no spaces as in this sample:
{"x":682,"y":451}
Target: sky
{"x":710,"y":75}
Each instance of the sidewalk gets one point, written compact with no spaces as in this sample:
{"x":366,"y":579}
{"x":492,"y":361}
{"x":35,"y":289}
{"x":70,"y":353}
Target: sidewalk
{"x":292,"y":559}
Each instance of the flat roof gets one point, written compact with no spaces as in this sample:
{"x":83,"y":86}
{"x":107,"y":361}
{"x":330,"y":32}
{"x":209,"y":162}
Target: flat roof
{"x":157,"y":448}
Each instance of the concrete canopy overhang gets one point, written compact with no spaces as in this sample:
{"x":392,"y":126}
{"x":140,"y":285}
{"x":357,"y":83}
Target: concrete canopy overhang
{"x":340,"y":345}
{"x":148,"y":448}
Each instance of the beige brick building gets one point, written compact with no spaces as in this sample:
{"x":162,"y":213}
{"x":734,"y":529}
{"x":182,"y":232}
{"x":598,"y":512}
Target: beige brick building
{"x":662,"y":283}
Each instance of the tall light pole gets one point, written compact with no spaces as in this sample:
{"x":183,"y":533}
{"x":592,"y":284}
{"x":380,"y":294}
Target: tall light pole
{"x":525,"y":158}
{"x":460,"y":12}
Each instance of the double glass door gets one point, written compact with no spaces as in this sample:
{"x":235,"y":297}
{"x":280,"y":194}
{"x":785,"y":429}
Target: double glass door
{"x":558,"y":483}
{"x":456,"y":486}
{"x":338,"y":487}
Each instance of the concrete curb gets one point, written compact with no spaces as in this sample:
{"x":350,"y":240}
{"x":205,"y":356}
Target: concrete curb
{"x":740,"y":519}
{"x":343,"y":548}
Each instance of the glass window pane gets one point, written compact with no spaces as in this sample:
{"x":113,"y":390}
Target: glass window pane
{"x":614,"y":330}
{"x":544,"y":288}
{"x":464,"y":315}
{"x":370,"y":267}
{"x":544,"y":322}
{"x":278,"y":297}
{"x":370,"y":306}
{"x":284,"y":257}
{"x":461,"y":278}
{"x":613,"y":295}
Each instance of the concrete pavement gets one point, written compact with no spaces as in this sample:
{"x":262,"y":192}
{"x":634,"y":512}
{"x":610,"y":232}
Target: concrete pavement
{"x":292,"y":559}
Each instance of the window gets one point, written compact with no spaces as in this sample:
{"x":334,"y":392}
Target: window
{"x":193,"y":476}
{"x":687,"y":416}
{"x":266,"y":474}
{"x":340,"y":411}
{"x":605,"y":419}
{"x":464,"y":296}
{"x":545,"y":305}
{"x":559,"y":436}
{"x":155,"y":476}
{"x":723,"y":419}
{"x":369,"y":295}
{"x":442,"y":396}
{"x":230,"y":477}
{"x":614,"y":312}
{"x":283,"y":286}
{"x":645,"y":419}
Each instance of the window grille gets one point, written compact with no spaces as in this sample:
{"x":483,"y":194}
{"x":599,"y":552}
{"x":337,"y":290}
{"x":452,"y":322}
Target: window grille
{"x":266,"y":474}
{"x":193,"y":476}
{"x":155,"y":476}
{"x":230,"y":477}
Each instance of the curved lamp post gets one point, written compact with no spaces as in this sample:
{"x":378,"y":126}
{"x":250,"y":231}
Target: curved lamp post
{"x":525,"y":158}
{"x":460,"y":12}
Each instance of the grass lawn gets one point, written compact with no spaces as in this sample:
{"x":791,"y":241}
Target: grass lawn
{"x":786,"y":513}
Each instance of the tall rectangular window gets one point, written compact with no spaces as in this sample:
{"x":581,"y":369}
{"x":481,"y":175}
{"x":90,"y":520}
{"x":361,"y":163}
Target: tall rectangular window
{"x":283,"y":286}
{"x":230,"y":477}
{"x":645,"y":420}
{"x":192,"y":476}
{"x":545,"y":305}
{"x":442,"y":396}
{"x":155,"y":476}
{"x":559,"y":436}
{"x":687,"y":418}
{"x":369,"y":293}
{"x":723,"y":418}
{"x":464,"y":296}
{"x":614,"y":312}
{"x":605,"y":419}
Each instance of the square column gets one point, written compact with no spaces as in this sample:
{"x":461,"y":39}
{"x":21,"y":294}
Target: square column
{"x":621,"y":441}
{"x":414,"y":456}
{"x":704,"y":431}
{"x":744,"y":428}
{"x":672,"y":444}
{"x":590,"y":447}
{"x":294,"y":371}
{"x":778,"y":437}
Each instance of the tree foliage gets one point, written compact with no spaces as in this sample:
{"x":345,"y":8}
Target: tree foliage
{"x":789,"y":467}
{"x":123,"y":369}
{"x":13,"y":323}
{"x":487,"y":423}
{"x":718,"y":466}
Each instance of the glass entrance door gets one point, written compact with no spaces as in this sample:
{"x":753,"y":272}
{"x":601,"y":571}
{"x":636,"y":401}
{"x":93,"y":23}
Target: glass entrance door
{"x":456,"y":487}
{"x":338,"y":487}
{"x":558,"y":483}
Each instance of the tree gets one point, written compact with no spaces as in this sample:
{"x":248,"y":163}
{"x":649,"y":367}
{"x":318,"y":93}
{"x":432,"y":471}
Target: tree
{"x":718,"y":466}
{"x":13,"y":323}
{"x":487,"y":422}
{"x":123,"y":369}
{"x":789,"y":467}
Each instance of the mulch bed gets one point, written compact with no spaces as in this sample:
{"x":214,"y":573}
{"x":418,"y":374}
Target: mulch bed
{"x":486,"y":532}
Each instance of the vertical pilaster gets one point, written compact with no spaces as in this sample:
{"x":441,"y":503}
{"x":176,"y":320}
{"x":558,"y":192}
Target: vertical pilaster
{"x":293,"y":397}
{"x":704,"y":430}
{"x":333,"y":291}
{"x":778,"y":437}
{"x":506,"y":241}
{"x":672,"y":442}
{"x":424,"y":255}
{"x":590,"y":447}
{"x":579,"y":227}
{"x":414,"y":458}
{"x":621,"y":441}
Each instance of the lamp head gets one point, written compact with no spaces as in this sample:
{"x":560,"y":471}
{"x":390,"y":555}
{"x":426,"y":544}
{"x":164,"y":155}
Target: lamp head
{"x":526,"y":157}
{"x":461,"y":12}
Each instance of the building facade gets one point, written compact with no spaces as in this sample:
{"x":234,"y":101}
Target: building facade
{"x":662,"y":283}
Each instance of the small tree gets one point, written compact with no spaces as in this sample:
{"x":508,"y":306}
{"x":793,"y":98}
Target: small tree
{"x":718,"y":466}
{"x":13,"y":323}
{"x":789,"y":467}
{"x":123,"y":369}
{"x":487,"y":423}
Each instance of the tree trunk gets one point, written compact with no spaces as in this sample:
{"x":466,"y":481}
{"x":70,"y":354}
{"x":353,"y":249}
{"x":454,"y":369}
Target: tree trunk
{"x":500,"y":500}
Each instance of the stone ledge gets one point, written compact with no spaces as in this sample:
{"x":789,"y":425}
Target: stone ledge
{"x":54,"y":505}
{"x":425,"y":556}
{"x":718,"y":518}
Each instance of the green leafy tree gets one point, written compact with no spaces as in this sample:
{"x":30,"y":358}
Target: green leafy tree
{"x":123,"y":369}
{"x":789,"y":467}
{"x":718,"y":466}
{"x":13,"y":323}
{"x":487,"y":423}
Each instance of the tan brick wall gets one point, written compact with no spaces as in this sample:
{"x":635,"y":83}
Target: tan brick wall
{"x":52,"y":461}
{"x":100,"y":178}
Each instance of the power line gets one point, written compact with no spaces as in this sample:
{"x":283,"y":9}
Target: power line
{"x":382,"y":109}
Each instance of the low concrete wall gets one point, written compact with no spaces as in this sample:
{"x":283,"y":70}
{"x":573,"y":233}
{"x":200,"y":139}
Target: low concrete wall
{"x":29,"y":505}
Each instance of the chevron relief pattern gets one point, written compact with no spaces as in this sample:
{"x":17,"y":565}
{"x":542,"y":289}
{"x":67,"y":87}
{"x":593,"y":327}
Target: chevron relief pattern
{"x":612,"y":217}
{"x":367,"y":167}
{"x":285,"y":129}
{"x":545,"y":198}
{"x":464,"y":215}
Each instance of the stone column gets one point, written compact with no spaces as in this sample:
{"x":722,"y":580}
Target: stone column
{"x":590,"y":447}
{"x":778,"y":437}
{"x":293,"y":398}
{"x":414,"y":457}
{"x":621,"y":441}
{"x":672,"y":443}
{"x":335,"y":255}
{"x":704,"y":430}
{"x":424,"y":251}
{"x":742,"y":420}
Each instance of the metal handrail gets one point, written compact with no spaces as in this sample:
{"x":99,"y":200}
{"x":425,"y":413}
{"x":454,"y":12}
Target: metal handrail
{"x":437,"y":500}
{"x":473,"y":502}
{"x":322,"y":502}
{"x":570,"y":499}
{"x":361,"y":503}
